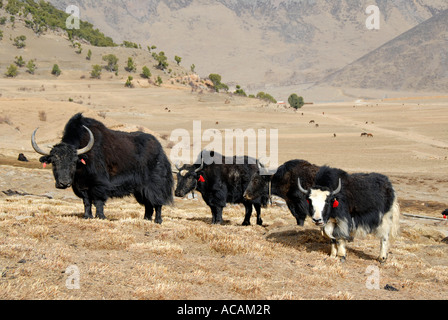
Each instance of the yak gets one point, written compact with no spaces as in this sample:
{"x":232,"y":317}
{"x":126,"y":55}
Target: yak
{"x":220,"y":183}
{"x":283,"y":183}
{"x":345,"y":205}
{"x":99,"y":163}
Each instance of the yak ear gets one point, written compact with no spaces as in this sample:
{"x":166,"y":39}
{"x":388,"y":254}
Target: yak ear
{"x":45,"y":159}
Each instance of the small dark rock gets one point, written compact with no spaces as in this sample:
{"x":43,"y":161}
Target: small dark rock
{"x":21,"y":261}
{"x":22,"y":158}
{"x":388,"y":287}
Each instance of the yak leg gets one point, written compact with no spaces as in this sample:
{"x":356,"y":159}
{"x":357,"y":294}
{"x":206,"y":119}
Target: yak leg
{"x":384,"y":249}
{"x":334,"y":249}
{"x":294,"y":210}
{"x":258,"y":210}
{"x":149,"y":210}
{"x":158,"y":218}
{"x":99,"y":204}
{"x":217,"y":215}
{"x":87,"y":208}
{"x":248,"y":207}
{"x":342,"y":252}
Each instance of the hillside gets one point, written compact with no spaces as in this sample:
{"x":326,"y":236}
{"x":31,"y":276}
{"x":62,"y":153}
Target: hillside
{"x":261,"y":45}
{"x":415,"y":60}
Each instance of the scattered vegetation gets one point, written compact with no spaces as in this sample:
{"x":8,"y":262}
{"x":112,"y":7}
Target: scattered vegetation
{"x":19,"y":41}
{"x":217,"y":84}
{"x":266,"y":96}
{"x":240,"y":91}
{"x":42,"y":15}
{"x":89,"y":55}
{"x":129,"y":44}
{"x":19,"y":61}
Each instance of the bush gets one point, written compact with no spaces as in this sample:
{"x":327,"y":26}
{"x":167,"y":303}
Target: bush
{"x":266,"y":96}
{"x":161,"y":59}
{"x":56,"y":71}
{"x":146,"y":73}
{"x":19,"y":61}
{"x":177,"y":59}
{"x":19,"y":41}
{"x":240,"y":91}
{"x":96,"y":72}
{"x":30,"y":67}
{"x":129,"y":82}
{"x":159,"y":81}
{"x":112,"y":62}
{"x":295,"y":101}
{"x":89,"y":55}
{"x":12,"y":71}
{"x":131,"y":65}
{"x":216,"y":79}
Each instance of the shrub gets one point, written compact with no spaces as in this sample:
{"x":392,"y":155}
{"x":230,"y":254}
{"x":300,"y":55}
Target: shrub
{"x":96,"y":72}
{"x":112,"y":62}
{"x":131,"y":65}
{"x":56,"y":71}
{"x":216,"y":79}
{"x":89,"y":55}
{"x":19,"y":61}
{"x":146,"y":73}
{"x":30,"y":67}
{"x":129,"y":82}
{"x":266,"y":96}
{"x":177,"y":59}
{"x":159,"y":81}
{"x":11,"y":72}
{"x":240,"y":91}
{"x":19,"y":41}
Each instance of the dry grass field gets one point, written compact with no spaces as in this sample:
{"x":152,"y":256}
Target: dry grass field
{"x":125,"y":257}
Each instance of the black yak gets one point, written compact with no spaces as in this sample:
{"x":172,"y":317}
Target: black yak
{"x":220,"y":184}
{"x":99,"y":163}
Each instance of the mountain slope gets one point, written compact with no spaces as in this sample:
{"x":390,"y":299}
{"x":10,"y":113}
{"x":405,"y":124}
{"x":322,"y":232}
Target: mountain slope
{"x":259,"y":43}
{"x":416,"y":60}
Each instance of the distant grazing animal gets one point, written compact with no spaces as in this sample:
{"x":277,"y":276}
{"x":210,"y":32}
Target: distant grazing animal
{"x":369,"y":135}
{"x":334,"y":135}
{"x":99,"y":163}
{"x":220,"y":184}
{"x":345,"y":205}
{"x":312,"y":121}
{"x":364,"y":134}
{"x":284,"y":184}
{"x":317,"y":125}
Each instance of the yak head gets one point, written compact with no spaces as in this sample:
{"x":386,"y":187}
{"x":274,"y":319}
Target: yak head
{"x":187,"y":178}
{"x":258,"y":183}
{"x":322,"y":201}
{"x":64,"y":158}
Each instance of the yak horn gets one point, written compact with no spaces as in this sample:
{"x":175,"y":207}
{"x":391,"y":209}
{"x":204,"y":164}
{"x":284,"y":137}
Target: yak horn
{"x":89,"y":146}
{"x":300,"y":187}
{"x":202,"y":166}
{"x":338,"y":189}
{"x":35,"y":146}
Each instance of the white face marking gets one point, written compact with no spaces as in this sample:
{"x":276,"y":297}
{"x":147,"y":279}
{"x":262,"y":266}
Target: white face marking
{"x":183,"y":173}
{"x":318,"y":198}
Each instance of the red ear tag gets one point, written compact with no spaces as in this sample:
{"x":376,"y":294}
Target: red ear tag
{"x":308,"y":201}
{"x":83,"y":161}
{"x":201,"y":178}
{"x":335,"y":203}
{"x":44,"y":165}
{"x":444,"y":216}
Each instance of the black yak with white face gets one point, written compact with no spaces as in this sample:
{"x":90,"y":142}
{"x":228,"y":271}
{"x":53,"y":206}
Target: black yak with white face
{"x":99,"y":163}
{"x":348,"y":204}
{"x":220,"y":184}
{"x":284,"y":184}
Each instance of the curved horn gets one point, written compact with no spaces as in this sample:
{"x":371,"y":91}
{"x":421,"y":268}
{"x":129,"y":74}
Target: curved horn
{"x":300,"y":187}
{"x":35,"y":146}
{"x":338,"y":189}
{"x":177,"y":165}
{"x":202,"y":166}
{"x":89,"y":146}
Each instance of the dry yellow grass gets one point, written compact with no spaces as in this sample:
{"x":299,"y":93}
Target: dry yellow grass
{"x":186,"y":257}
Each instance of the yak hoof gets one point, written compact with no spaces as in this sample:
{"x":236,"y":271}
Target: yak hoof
{"x":259,"y":222}
{"x":343,"y":259}
{"x":246,"y":223}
